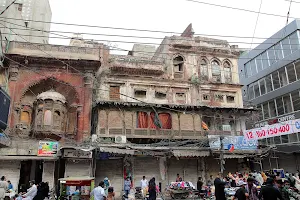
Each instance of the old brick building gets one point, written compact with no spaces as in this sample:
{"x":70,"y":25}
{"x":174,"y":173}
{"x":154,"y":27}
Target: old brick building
{"x":51,"y":98}
{"x":191,"y":85}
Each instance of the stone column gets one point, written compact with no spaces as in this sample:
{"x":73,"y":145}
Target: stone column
{"x":12,"y":84}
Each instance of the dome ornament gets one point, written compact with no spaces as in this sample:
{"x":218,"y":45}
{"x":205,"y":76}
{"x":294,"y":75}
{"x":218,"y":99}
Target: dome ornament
{"x":53,"y":95}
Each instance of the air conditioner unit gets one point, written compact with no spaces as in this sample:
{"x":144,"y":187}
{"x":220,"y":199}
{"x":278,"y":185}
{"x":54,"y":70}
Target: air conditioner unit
{"x":120,"y":139}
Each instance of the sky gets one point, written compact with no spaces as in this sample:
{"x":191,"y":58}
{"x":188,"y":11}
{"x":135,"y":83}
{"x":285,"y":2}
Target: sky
{"x":170,"y":16}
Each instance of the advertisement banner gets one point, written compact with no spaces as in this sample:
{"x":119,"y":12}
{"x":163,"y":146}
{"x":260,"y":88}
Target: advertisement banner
{"x":236,"y":142}
{"x":283,"y":128}
{"x":47,"y":148}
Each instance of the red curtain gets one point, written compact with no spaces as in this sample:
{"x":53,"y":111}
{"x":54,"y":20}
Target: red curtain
{"x":151,"y":121}
{"x":142,"y":120}
{"x":166,"y":121}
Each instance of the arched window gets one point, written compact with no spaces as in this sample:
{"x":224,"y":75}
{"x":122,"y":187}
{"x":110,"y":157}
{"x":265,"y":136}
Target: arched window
{"x":57,"y":120}
{"x":216,"y":70}
{"x":25,"y":117}
{"x":142,"y":120}
{"x":203,"y":70}
{"x":48,"y":118}
{"x":227,"y":72}
{"x":178,"y":64}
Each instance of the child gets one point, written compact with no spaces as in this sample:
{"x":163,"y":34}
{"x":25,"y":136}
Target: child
{"x":111,"y":194}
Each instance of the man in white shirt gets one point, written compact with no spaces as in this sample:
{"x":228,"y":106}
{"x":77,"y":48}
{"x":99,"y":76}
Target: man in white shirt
{"x":31,"y":192}
{"x":144,"y":186}
{"x":98,"y":192}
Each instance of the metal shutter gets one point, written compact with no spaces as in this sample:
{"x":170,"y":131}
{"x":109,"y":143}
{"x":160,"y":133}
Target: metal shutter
{"x":77,"y":168}
{"x":48,"y":173}
{"x":146,"y":166}
{"x":11,"y":170}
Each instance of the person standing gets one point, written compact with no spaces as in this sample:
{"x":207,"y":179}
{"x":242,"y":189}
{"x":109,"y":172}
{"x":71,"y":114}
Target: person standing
{"x":241,"y":193}
{"x":152,"y":189}
{"x":199,"y":184}
{"x":144,"y":185}
{"x":98,"y":192}
{"x":251,"y":189}
{"x":269,"y":192}
{"x":127,"y":186}
{"x":219,"y":187}
{"x":31,"y":192}
{"x":106,"y":185}
{"x":3,"y":187}
{"x":178,"y":178}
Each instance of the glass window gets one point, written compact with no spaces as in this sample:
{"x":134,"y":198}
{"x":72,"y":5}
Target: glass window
{"x":278,"y":50}
{"x":253,"y":67}
{"x":203,"y":70}
{"x":258,"y":63}
{"x":271,"y":54}
{"x":294,"y":41}
{"x":296,"y":100}
{"x":25,"y":117}
{"x":256,"y":89}
{"x":269,"y":86}
{"x":262,"y":86}
{"x":216,"y":71}
{"x":260,"y":112}
{"x":265,"y":60}
{"x":279,"y":105}
{"x":275,"y":78}
{"x":272,"y":107}
{"x":248,"y":70}
{"x":250,"y":92}
{"x":291,"y":73}
{"x":266,"y":110}
{"x":286,"y":47}
{"x":282,"y":76}
{"x":227,"y":72}
{"x":297,"y":68}
{"x":48,"y":117}
{"x":287,"y":104}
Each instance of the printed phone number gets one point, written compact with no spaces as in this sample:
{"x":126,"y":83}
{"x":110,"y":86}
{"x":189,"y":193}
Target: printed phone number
{"x":271,"y":131}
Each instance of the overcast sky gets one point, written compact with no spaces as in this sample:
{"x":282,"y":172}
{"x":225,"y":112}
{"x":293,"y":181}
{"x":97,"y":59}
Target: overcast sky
{"x":170,"y":15}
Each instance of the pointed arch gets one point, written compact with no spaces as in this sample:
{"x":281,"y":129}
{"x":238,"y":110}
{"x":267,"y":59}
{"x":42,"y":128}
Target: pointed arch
{"x":216,"y":69}
{"x":227,"y":67}
{"x":203,"y":71}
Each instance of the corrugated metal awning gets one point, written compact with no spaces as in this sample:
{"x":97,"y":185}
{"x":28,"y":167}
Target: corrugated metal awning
{"x":234,"y":156}
{"x":27,"y":158}
{"x":190,"y":153}
{"x":117,"y":150}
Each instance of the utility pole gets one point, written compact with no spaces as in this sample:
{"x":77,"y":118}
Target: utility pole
{"x":221,"y":155}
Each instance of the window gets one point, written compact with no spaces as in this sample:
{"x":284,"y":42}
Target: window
{"x":140,"y":93}
{"x":294,"y":41}
{"x":273,"y":110}
{"x":256,"y":89}
{"x":160,"y":95}
{"x":296,"y":100}
{"x":260,"y":112}
{"x":297,"y":68}
{"x":48,"y":118}
{"x":142,"y":120}
{"x":269,"y":86}
{"x":216,"y":70}
{"x":271,"y":54}
{"x":203,"y":70}
{"x":205,"y":97}
{"x":262,"y":86}
{"x":248,"y":70}
{"x":278,"y":50}
{"x":282,"y":76}
{"x":279,"y":105}
{"x":230,"y":99}
{"x":25,"y":118}
{"x":114,"y":92}
{"x":291,"y":73}
{"x":265,"y":60}
{"x":287,"y":104}
{"x":258,"y":63}
{"x":56,"y":119}
{"x":165,"y":120}
{"x":275,"y":78}
{"x":266,"y":110}
{"x":286,"y":47}
{"x":178,"y":64}
{"x":219,"y":97}
{"x":253,"y":67}
{"x":227,"y":72}
{"x":180,"y":97}
{"x":251,"y":91}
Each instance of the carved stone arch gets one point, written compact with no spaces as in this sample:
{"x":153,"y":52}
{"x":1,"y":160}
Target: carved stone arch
{"x":228,"y":61}
{"x":46,"y":83}
{"x":178,"y":54}
{"x":215,"y":59}
{"x":203,"y":58}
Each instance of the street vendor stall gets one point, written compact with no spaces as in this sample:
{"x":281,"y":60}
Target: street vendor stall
{"x":75,"y":188}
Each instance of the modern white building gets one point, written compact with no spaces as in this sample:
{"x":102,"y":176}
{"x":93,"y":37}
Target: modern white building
{"x":21,"y":19}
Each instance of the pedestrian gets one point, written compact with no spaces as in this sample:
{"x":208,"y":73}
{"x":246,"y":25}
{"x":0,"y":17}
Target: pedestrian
{"x":269,"y":192}
{"x":199,"y":184}
{"x":31,"y":192}
{"x":127,"y":186}
{"x":106,"y":185}
{"x":111,"y":194}
{"x":3,"y":187}
{"x":98,"y":192}
{"x":219,"y":187}
{"x":152,"y":189}
{"x":10,"y":186}
{"x":241,"y":193}
{"x":144,"y":186}
{"x":178,"y":178}
{"x":251,"y":189}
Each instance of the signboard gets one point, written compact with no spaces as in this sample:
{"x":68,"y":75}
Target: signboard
{"x":238,"y":142}
{"x":47,"y":148}
{"x":283,"y":128}
{"x":284,"y":118}
{"x":77,"y":153}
